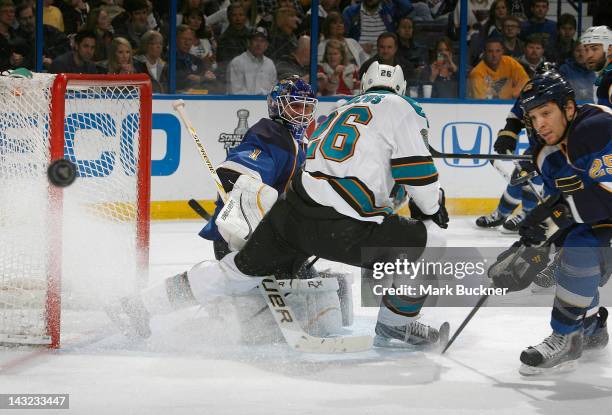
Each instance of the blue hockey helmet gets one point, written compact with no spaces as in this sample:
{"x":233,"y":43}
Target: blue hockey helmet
{"x":546,"y":87}
{"x":292,"y":101}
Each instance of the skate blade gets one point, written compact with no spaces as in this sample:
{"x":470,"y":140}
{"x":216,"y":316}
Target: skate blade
{"x":564,"y":367}
{"x":505,"y":231}
{"x":444,"y":332}
{"x":390,"y":343}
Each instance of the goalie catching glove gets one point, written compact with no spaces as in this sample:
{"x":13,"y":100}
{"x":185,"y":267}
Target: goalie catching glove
{"x":246,"y":205}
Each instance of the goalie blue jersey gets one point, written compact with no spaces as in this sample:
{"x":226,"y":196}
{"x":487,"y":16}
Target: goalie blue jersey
{"x":269,"y":152}
{"x":581,"y":167}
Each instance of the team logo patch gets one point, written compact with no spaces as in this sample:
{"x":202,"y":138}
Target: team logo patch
{"x":232,"y":140}
{"x":254,"y":154}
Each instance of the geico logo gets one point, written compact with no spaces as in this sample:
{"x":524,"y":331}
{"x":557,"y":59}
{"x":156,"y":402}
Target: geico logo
{"x":97,"y":142}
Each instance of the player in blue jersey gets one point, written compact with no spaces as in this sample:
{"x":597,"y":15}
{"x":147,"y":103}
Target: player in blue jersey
{"x":519,"y":194}
{"x":573,"y":155}
{"x":271,"y":151}
{"x":597,"y":41}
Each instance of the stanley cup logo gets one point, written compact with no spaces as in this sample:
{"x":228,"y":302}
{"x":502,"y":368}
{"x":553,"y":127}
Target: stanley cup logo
{"x":231,"y":140}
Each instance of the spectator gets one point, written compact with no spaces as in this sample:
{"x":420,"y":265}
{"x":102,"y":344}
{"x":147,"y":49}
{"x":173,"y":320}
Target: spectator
{"x":191,"y":72}
{"x":565,"y":46}
{"x":340,"y":76}
{"x":55,"y":42}
{"x":219,"y":20}
{"x":110,"y":7}
{"x":12,"y":47}
{"x":578,"y":75}
{"x":74,"y":15}
{"x":491,"y":27}
{"x":132,"y":24}
{"x":366,"y":20}
{"x":477,"y":12}
{"x":252,"y":73}
{"x":283,"y":39}
{"x":52,"y":15}
{"x":442,"y":72}
{"x":79,"y":60}
{"x":187,"y":6}
{"x":149,"y":60}
{"x":511,"y":29}
{"x":297,"y":63}
{"x":534,"y":54}
{"x":98,"y":22}
{"x":333,"y":28}
{"x":325,"y":7}
{"x":540,"y":24}
{"x":408,"y":49}
{"x":204,"y":41}
{"x":387,"y":54}
{"x":120,"y":57}
{"x":496,"y":76}
{"x":235,"y":39}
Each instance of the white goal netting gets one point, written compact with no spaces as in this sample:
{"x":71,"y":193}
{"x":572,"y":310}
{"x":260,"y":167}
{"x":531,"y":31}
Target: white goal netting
{"x":85,"y":237}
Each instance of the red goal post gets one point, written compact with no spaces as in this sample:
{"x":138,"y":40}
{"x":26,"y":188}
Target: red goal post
{"x":102,"y":123}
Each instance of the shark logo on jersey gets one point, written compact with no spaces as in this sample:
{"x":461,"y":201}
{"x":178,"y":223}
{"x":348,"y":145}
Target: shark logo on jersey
{"x":466,"y":137}
{"x":231,"y":140}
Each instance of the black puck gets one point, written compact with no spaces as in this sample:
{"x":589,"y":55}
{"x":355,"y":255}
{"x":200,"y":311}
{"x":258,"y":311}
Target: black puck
{"x":61,"y":172}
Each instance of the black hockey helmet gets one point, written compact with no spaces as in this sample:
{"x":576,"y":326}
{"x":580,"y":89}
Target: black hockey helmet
{"x":546,"y":87}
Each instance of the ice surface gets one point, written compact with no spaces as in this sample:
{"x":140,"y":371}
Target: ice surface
{"x":188,"y":368}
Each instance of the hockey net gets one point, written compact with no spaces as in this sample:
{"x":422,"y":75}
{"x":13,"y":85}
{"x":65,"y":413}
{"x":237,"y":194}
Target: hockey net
{"x":71,"y":248}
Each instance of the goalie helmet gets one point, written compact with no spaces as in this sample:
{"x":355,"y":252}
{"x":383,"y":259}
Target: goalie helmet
{"x":292,"y":101}
{"x":384,"y":77}
{"x":597,"y":35}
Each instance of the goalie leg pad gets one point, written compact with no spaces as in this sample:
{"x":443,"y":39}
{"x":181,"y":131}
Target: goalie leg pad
{"x":246,"y":205}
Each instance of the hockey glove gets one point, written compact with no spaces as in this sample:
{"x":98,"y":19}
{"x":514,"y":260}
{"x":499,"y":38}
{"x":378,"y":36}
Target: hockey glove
{"x":507,"y":138}
{"x":505,"y":143}
{"x":517,"y":267}
{"x":246,"y":205}
{"x":440,"y":218}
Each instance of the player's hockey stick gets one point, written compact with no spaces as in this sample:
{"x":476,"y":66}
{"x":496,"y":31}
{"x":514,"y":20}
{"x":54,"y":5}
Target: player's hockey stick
{"x":199,"y":209}
{"x":179,"y":107}
{"x":437,"y":155}
{"x":293,"y":333}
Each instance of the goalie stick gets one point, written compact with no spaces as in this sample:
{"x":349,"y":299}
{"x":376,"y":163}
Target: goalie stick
{"x":293,"y":333}
{"x":199,"y":209}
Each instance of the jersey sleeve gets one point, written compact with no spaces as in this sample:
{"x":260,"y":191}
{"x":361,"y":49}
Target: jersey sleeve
{"x":590,"y":194}
{"x":411,"y":161}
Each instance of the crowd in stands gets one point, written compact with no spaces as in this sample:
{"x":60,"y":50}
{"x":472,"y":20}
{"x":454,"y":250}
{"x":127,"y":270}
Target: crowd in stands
{"x":244,"y":46}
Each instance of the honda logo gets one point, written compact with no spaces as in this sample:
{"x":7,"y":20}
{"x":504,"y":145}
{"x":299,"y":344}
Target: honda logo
{"x":466,"y":138}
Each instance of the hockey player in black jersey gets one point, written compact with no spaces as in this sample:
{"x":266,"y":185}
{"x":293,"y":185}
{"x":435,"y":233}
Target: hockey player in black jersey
{"x":574,"y":157}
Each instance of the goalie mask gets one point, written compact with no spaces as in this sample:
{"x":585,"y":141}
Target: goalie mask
{"x":292,"y":101}
{"x":385,"y":77}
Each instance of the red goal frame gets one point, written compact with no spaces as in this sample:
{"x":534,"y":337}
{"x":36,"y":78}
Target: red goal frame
{"x":56,"y":132}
